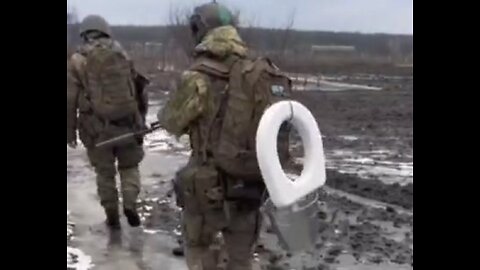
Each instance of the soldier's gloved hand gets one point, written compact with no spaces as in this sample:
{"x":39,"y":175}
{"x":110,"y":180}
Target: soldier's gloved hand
{"x":72,"y":144}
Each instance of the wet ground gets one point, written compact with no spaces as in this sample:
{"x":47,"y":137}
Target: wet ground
{"x":369,"y":193}
{"x":134,"y":249}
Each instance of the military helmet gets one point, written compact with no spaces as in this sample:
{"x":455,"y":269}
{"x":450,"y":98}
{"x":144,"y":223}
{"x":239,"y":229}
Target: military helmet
{"x":209,"y":16}
{"x":95,"y":23}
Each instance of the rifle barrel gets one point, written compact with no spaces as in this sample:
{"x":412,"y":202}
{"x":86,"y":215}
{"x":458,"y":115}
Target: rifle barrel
{"x":115,"y":140}
{"x":154,"y":126}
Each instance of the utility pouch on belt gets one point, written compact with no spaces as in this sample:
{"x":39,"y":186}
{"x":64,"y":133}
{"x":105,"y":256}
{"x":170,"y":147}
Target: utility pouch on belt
{"x":200,"y":187}
{"x":240,"y":190}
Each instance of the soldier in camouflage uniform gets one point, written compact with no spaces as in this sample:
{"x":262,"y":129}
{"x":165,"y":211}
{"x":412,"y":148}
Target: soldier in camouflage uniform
{"x":81,"y":116}
{"x":205,"y":192}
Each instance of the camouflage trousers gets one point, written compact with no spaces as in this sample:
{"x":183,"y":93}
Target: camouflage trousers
{"x":239,"y":228}
{"x":107,"y":162}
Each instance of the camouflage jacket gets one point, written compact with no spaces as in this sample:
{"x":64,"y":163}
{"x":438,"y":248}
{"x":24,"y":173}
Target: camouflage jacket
{"x":189,"y":109}
{"x":76,"y":85}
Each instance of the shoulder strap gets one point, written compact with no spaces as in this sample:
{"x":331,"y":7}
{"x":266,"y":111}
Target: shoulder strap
{"x":213,"y":67}
{"x":220,"y":70}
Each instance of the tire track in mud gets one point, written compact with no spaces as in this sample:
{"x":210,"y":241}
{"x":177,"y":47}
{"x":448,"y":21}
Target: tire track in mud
{"x":362,"y":235}
{"x":373,"y":229}
{"x":359,"y":237}
{"x":372,"y":189}
{"x":353,"y":235}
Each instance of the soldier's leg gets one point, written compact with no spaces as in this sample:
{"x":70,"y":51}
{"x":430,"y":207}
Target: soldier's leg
{"x":199,"y":235}
{"x":241,"y":237}
{"x":103,"y":160}
{"x":129,"y":158}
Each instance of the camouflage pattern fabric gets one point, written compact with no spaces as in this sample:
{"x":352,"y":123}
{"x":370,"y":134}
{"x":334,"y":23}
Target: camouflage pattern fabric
{"x":192,"y":100}
{"x":81,"y":118}
{"x":189,"y":111}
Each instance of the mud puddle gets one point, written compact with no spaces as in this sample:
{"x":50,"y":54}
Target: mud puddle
{"x":388,"y":166}
{"x":89,"y":243}
{"x":354,"y":236}
{"x":162,"y":142}
{"x":76,"y":259}
{"x":371,"y":233}
{"x":379,"y":164}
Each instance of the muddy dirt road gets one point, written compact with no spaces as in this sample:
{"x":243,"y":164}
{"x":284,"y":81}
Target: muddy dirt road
{"x":133,"y":249}
{"x":369,"y":197}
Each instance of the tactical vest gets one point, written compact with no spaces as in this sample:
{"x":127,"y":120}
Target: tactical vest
{"x":249,"y":87}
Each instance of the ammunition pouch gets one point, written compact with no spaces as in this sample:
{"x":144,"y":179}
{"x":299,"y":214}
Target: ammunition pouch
{"x":198,"y":188}
{"x":248,"y":193}
{"x":90,"y":128}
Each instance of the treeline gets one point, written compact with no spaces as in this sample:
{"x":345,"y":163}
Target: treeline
{"x":274,"y":40}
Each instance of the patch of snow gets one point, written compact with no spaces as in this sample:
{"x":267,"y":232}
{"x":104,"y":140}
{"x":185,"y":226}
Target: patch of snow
{"x":77,"y":260}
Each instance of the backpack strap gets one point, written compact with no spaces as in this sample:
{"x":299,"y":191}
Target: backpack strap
{"x":213,"y":67}
{"x":221,"y":70}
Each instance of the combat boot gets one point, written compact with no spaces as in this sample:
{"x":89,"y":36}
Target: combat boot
{"x":113,"y":219}
{"x":180,"y":250}
{"x":133,"y":218}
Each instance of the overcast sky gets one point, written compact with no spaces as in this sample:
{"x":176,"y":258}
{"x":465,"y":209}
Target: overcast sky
{"x":368,"y":16}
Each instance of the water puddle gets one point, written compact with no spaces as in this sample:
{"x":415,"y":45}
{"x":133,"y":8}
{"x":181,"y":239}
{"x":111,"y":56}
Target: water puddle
{"x":76,"y":259}
{"x":383,"y":165}
{"x":162,"y":142}
{"x":165,"y":155}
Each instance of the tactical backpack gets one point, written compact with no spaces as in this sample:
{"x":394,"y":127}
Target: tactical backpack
{"x":111,"y":88}
{"x":253,"y":86}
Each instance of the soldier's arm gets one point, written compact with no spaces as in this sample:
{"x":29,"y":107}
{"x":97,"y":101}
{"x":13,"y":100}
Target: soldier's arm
{"x":74,"y":86}
{"x":186,"y":104}
{"x":141,"y":84}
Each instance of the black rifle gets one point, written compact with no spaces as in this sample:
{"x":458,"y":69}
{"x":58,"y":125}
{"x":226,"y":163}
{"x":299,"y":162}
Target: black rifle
{"x":129,"y":136}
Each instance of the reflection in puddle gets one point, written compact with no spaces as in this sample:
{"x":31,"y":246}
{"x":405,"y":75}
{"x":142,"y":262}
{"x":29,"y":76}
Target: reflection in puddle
{"x":162,"y":142}
{"x":153,"y":245}
{"x":375,"y":164}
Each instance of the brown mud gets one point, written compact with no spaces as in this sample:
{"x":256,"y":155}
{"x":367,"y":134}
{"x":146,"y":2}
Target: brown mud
{"x":373,"y":221}
{"x":368,"y":223}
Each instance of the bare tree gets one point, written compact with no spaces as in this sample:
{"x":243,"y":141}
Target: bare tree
{"x":249,"y":31}
{"x":287,"y":32}
{"x":179,"y":38}
{"x":72,"y":27}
